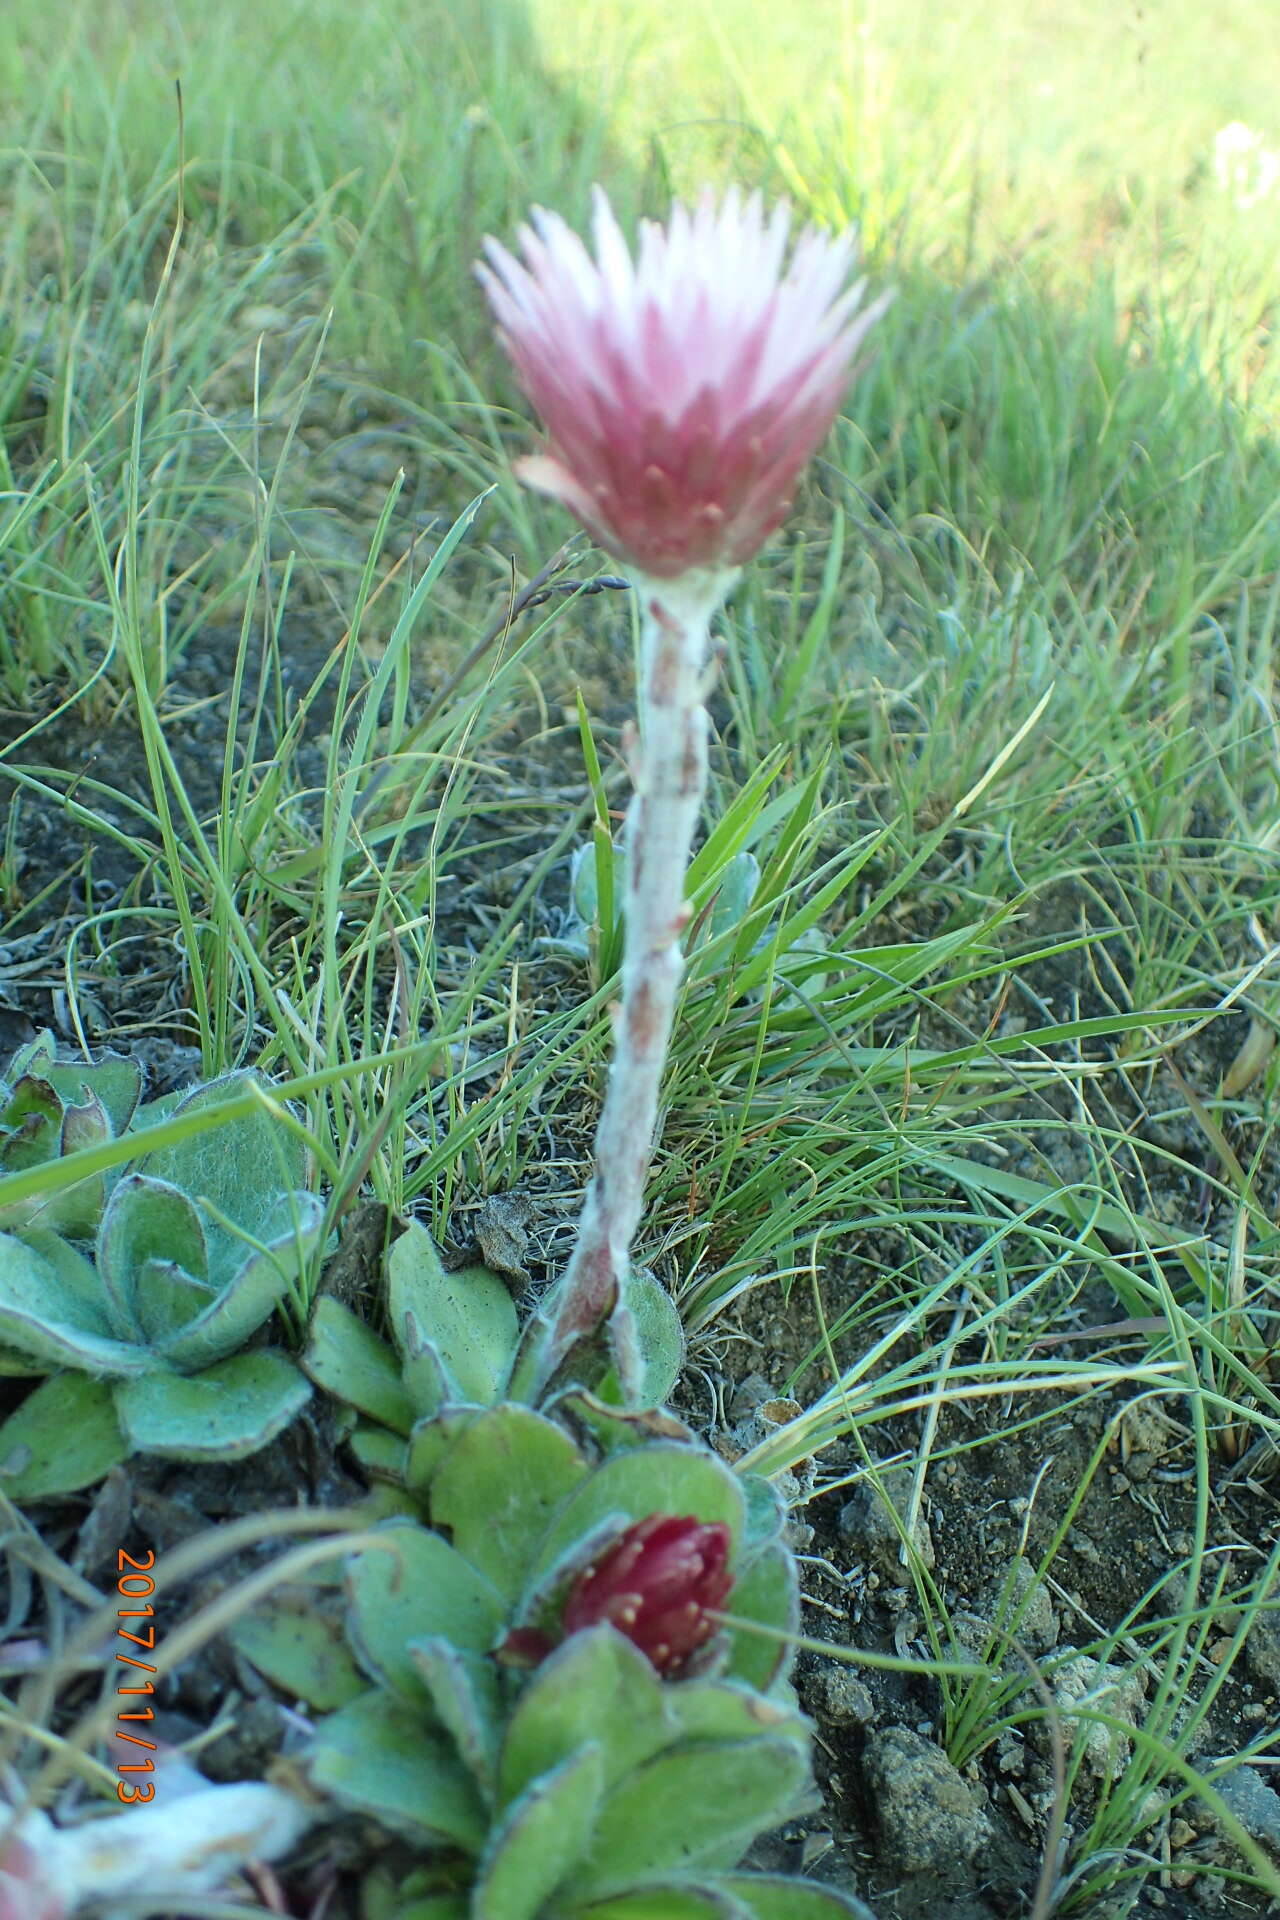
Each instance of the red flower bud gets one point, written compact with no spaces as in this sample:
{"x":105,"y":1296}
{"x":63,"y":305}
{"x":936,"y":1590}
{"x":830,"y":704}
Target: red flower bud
{"x":658,"y":1585}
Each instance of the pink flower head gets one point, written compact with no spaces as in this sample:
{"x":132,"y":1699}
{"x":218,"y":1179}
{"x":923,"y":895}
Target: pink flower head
{"x":682,"y":391}
{"x":659,"y":1585}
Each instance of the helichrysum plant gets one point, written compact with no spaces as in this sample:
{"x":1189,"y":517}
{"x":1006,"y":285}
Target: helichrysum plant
{"x":683,"y":389}
{"x":558,"y":1676}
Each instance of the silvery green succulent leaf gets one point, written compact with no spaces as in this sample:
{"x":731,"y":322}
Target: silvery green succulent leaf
{"x":63,"y":1437}
{"x":30,"y":1124}
{"x":225,"y":1413}
{"x":595,"y":1687}
{"x":539,"y":1839}
{"x":612,"y":1429}
{"x":498,"y":1486}
{"x":667,"y":1900}
{"x":662,"y":1478}
{"x":423,"y":1373}
{"x":690,"y":1807}
{"x":766,"y":1591}
{"x":49,"y":1109}
{"x":647,"y":1337}
{"x":235,"y":1173}
{"x":414,"y":1587}
{"x":381,"y":1454}
{"x":766,"y":1512}
{"x":148,"y":1220}
{"x":291,"y":1228}
{"x":85,"y":1125}
{"x":30,"y":1136}
{"x":775,"y":1896}
{"x":48,"y":1309}
{"x":465,"y":1691}
{"x":298,"y":1642}
{"x":166,"y":1299}
{"x":728,"y":1710}
{"x":378,"y":1757}
{"x":347,"y":1359}
{"x":430,"y":1441}
{"x":467,"y":1318}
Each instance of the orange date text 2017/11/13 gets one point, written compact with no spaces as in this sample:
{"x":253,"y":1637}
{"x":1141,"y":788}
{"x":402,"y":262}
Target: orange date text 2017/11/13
{"x":137,"y":1630}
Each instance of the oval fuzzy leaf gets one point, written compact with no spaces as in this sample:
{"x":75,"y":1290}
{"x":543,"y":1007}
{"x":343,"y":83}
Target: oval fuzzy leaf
{"x":225,"y":1413}
{"x":298,"y":1642}
{"x":63,"y":1437}
{"x":667,"y":1900}
{"x":468,"y":1317}
{"x":727,"y":1710}
{"x":498,"y":1486}
{"x":662,"y":1478}
{"x":349,"y":1361}
{"x":773,"y":1896}
{"x":595,"y":1687}
{"x":768,"y":1591}
{"x":430,"y":1442}
{"x":379,"y":1757}
{"x":539,"y":1840}
{"x":63,"y":1325}
{"x":380,"y":1453}
{"x":165,"y":1299}
{"x":647,"y":1336}
{"x":238,"y":1169}
{"x":697,"y":1806}
{"x":78,"y":1284}
{"x":147,"y":1220}
{"x":254,"y":1291}
{"x":423,"y":1374}
{"x":766,"y":1513}
{"x":465,"y":1691}
{"x":416,"y":1587}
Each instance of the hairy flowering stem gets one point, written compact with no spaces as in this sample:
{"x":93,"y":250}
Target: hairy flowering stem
{"x":683,"y":390}
{"x":670,"y":775}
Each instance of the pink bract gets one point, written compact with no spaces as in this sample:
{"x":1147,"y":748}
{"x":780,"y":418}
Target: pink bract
{"x":683,"y":390}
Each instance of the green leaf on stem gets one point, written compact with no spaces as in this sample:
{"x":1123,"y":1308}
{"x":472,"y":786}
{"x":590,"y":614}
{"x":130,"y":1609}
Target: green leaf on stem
{"x":225,"y":1413}
{"x":468,"y":1317}
{"x":378,"y":1757}
{"x":595,"y":1687}
{"x":539,"y":1839}
{"x":348,"y":1360}
{"x":416,"y":1586}
{"x":498,"y":1486}
{"x":64,"y":1436}
{"x":698,"y":1806}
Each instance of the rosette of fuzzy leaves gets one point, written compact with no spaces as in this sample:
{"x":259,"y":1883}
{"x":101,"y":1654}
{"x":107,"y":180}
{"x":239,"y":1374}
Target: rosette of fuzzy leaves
{"x":457,"y":1343}
{"x":584,"y":1786}
{"x":142,"y":1328}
